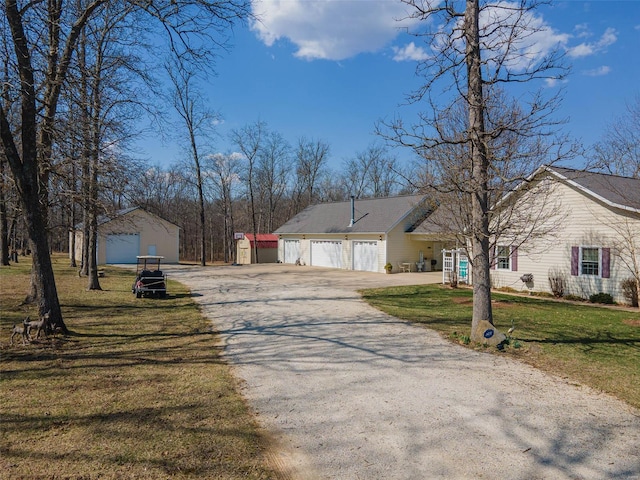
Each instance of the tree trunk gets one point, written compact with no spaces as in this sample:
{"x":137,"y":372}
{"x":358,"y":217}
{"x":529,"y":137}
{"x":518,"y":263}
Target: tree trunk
{"x":479,"y":174}
{"x":4,"y":230}
{"x":42,"y":272}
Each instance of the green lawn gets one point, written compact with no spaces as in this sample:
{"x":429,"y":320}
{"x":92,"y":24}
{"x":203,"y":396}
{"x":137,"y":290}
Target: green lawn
{"x":138,"y":390}
{"x":596,"y":346}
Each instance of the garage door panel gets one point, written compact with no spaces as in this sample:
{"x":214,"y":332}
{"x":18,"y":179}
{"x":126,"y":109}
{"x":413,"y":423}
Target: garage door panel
{"x":365,"y":256}
{"x":291,"y":251}
{"x":122,"y":248}
{"x":326,"y":253}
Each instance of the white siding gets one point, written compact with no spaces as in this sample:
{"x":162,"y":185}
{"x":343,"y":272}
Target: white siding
{"x":402,"y":248}
{"x":588,"y":223}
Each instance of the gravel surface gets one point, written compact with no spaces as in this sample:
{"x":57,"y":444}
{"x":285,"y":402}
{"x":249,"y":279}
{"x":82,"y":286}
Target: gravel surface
{"x":349,"y":392}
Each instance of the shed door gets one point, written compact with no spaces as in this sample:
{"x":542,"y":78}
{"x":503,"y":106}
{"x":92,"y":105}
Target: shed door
{"x":365,"y":256}
{"x":291,"y":251}
{"x":123,"y":248}
{"x":326,"y":253}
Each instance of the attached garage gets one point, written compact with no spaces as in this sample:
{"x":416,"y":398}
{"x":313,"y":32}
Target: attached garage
{"x":365,"y":256}
{"x":121,"y":248}
{"x":362,"y":235}
{"x":291,"y":251}
{"x":326,"y":253}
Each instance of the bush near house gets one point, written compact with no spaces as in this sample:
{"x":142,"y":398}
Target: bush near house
{"x":601,"y":297}
{"x":630,"y":291}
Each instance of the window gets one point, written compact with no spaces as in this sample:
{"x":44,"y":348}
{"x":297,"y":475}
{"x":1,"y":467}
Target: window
{"x":504,"y":257}
{"x":590,"y":261}
{"x":503,"y":261}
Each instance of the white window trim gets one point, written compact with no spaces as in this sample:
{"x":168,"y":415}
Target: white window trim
{"x":498,"y":267}
{"x":590,"y":275}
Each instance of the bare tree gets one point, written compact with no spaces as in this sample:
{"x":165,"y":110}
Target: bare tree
{"x":225,"y":173}
{"x":274,"y":165}
{"x":197,"y":122}
{"x":311,"y":157}
{"x":477,"y":46}
{"x":372,"y":173}
{"x":250,"y":141}
{"x":618,"y":151}
{"x":43,"y":42}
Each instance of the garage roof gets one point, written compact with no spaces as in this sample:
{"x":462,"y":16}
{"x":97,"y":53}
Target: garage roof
{"x":375,"y":215}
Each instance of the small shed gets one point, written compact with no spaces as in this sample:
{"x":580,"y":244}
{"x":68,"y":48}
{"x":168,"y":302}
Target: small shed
{"x":267,"y":248}
{"x":132,"y":232}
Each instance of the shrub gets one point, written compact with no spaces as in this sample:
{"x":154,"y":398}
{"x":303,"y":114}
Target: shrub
{"x":601,"y":298}
{"x":629,"y":288}
{"x":557,"y":283}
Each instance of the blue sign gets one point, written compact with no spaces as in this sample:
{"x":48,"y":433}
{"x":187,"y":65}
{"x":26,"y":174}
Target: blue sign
{"x":488,"y":333}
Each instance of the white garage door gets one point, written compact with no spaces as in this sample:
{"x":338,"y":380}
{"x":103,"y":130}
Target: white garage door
{"x":123,"y":248}
{"x":326,"y":254}
{"x":291,"y":251}
{"x":365,"y":256}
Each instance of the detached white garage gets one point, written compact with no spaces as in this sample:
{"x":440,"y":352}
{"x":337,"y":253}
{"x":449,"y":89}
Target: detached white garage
{"x":326,"y":253}
{"x":130,"y":233}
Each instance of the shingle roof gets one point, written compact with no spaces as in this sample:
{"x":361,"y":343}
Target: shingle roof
{"x":376,"y":215}
{"x":102,"y":219}
{"x":443,"y":221}
{"x":620,"y":192}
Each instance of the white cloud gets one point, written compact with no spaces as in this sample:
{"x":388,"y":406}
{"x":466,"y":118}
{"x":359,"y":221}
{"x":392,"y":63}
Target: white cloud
{"x":329,"y":29}
{"x":521,"y":53}
{"x":582,"y":30}
{"x":409,"y":53}
{"x":582,"y":50}
{"x":598,"y":72}
{"x":609,"y":37}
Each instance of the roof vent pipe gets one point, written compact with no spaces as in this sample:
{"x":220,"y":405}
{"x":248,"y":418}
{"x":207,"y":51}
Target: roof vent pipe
{"x":353,"y":211}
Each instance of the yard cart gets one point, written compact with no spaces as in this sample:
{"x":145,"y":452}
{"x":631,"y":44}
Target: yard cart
{"x":150,"y":280}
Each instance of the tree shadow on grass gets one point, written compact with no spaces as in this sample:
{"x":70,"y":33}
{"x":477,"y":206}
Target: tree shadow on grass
{"x":165,"y":438}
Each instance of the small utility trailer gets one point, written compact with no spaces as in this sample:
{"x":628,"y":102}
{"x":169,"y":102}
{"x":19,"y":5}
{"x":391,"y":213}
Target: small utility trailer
{"x":150,"y":280}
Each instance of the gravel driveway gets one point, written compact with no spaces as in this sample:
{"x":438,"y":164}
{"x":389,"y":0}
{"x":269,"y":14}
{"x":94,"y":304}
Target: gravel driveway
{"x":349,"y":392}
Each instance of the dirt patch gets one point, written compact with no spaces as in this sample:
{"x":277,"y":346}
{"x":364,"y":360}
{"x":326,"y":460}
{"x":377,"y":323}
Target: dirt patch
{"x":462,"y":300}
{"x":502,"y":304}
{"x":632,"y":322}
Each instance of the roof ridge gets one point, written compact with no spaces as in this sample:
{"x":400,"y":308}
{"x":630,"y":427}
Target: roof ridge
{"x":593,"y":173}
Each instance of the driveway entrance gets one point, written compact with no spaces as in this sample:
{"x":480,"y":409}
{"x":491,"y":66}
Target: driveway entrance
{"x":352,"y":393}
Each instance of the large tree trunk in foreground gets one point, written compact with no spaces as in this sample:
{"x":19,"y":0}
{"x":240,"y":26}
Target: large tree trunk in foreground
{"x":479,"y":174}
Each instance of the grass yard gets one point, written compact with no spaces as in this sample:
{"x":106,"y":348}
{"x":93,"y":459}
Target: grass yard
{"x":137,"y":391}
{"x":596,"y":346}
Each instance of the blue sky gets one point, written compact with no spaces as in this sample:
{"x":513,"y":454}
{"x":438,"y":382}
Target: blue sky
{"x":329,"y":69}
